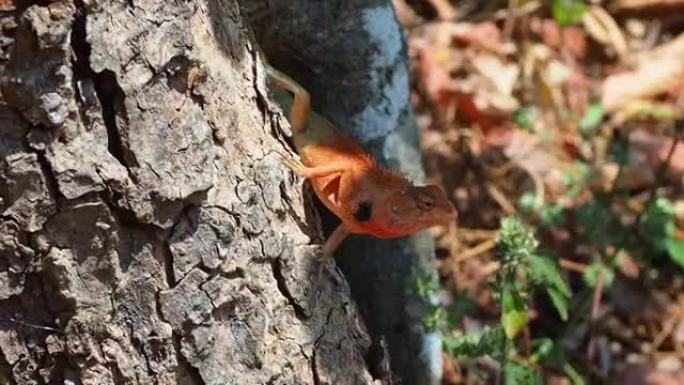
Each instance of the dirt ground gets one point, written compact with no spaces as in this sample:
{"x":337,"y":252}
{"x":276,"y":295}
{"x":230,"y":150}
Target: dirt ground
{"x":568,"y":115}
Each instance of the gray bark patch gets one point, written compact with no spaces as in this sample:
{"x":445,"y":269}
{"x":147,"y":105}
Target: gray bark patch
{"x":142,"y":212}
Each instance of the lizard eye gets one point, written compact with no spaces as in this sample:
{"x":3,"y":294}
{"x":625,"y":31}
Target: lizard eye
{"x":425,"y":203}
{"x":363,"y":212}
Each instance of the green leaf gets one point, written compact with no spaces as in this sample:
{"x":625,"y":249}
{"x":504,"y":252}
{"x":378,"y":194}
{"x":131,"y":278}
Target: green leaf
{"x":461,"y":305}
{"x":463,"y":345}
{"x":518,"y":374}
{"x":657,"y":223}
{"x":567,"y":12}
{"x":592,"y":272}
{"x":515,"y":242}
{"x":600,"y":226}
{"x":541,"y":348}
{"x":573,"y":374}
{"x":576,"y":178}
{"x":592,"y":118}
{"x":491,"y":342}
{"x":423,"y":284}
{"x":544,"y":272}
{"x":619,"y":150}
{"x":522,"y":117}
{"x":675,"y":247}
{"x":530,"y":202}
{"x":551,"y":214}
{"x":513,"y":312}
{"x":560,"y":302}
{"x":435,"y":316}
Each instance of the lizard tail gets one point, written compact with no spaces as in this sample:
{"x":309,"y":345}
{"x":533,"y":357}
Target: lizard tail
{"x":301,"y":105}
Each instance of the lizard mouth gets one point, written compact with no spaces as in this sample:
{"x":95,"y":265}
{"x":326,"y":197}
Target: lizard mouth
{"x":452,"y":216}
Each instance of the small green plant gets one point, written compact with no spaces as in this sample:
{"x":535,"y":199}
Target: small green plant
{"x":425,"y":285}
{"x":592,"y":118}
{"x":657,"y":224}
{"x":567,"y":12}
{"x":524,"y":117}
{"x":522,"y":271}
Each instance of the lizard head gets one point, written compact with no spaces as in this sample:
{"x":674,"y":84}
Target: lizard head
{"x":404,"y":211}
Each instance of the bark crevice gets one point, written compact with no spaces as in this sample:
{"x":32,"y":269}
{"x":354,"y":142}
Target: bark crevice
{"x":277,"y":268}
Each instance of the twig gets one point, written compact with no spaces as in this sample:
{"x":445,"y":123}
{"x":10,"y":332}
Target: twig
{"x":476,"y":233}
{"x":500,"y":198}
{"x":667,"y":329}
{"x":663,"y":167}
{"x":444,"y":9}
{"x":660,"y":175}
{"x":476,"y":250}
{"x":511,"y":16}
{"x":540,"y":192}
{"x":595,"y":307}
{"x":405,"y":14}
{"x":525,"y":9}
{"x":572,"y":265}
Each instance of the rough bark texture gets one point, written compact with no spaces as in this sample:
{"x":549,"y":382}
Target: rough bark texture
{"x":148,"y":234}
{"x":351,"y":57}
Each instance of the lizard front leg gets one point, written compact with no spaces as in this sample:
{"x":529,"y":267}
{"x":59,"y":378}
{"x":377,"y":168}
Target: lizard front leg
{"x":334,"y":240}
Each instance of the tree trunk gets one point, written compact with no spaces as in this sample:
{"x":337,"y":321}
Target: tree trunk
{"x":351,"y":56}
{"x":148,"y":232}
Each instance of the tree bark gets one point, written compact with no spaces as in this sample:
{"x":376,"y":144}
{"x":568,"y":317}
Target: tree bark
{"x":351,"y":56}
{"x":148,"y":232}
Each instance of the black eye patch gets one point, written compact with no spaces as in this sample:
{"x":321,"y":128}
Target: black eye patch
{"x":363,"y":212}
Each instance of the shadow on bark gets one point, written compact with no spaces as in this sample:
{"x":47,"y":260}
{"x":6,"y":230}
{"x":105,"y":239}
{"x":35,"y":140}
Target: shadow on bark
{"x":351,"y":57}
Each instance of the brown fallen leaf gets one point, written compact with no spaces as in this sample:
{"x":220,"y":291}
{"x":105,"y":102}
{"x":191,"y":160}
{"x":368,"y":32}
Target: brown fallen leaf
{"x":8,"y":5}
{"x":498,"y":81}
{"x":450,"y":375}
{"x":434,"y":78}
{"x":444,"y":9}
{"x":656,"y":72}
{"x":405,"y":14}
{"x":604,"y":29}
{"x":654,"y":150}
{"x":484,"y":35}
{"x":577,"y":90}
{"x":644,"y":5}
{"x":678,"y":332}
{"x":640,"y":374}
{"x":570,"y":39}
{"x":661,"y":377}
{"x":632,"y":177}
{"x":468,"y":109}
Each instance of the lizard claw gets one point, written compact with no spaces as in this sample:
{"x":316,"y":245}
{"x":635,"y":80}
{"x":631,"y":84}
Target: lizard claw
{"x":291,"y":163}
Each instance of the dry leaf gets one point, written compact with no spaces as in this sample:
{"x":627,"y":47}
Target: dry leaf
{"x":484,"y":35}
{"x":654,"y":149}
{"x":444,"y":9}
{"x":603,"y":28}
{"x":469,"y":110}
{"x":643,"y":5}
{"x":434,"y":78}
{"x":572,"y":39}
{"x":656,"y":73}
{"x":501,"y":78}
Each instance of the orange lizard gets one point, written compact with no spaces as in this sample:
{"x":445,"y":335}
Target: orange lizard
{"x":367,"y":198}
